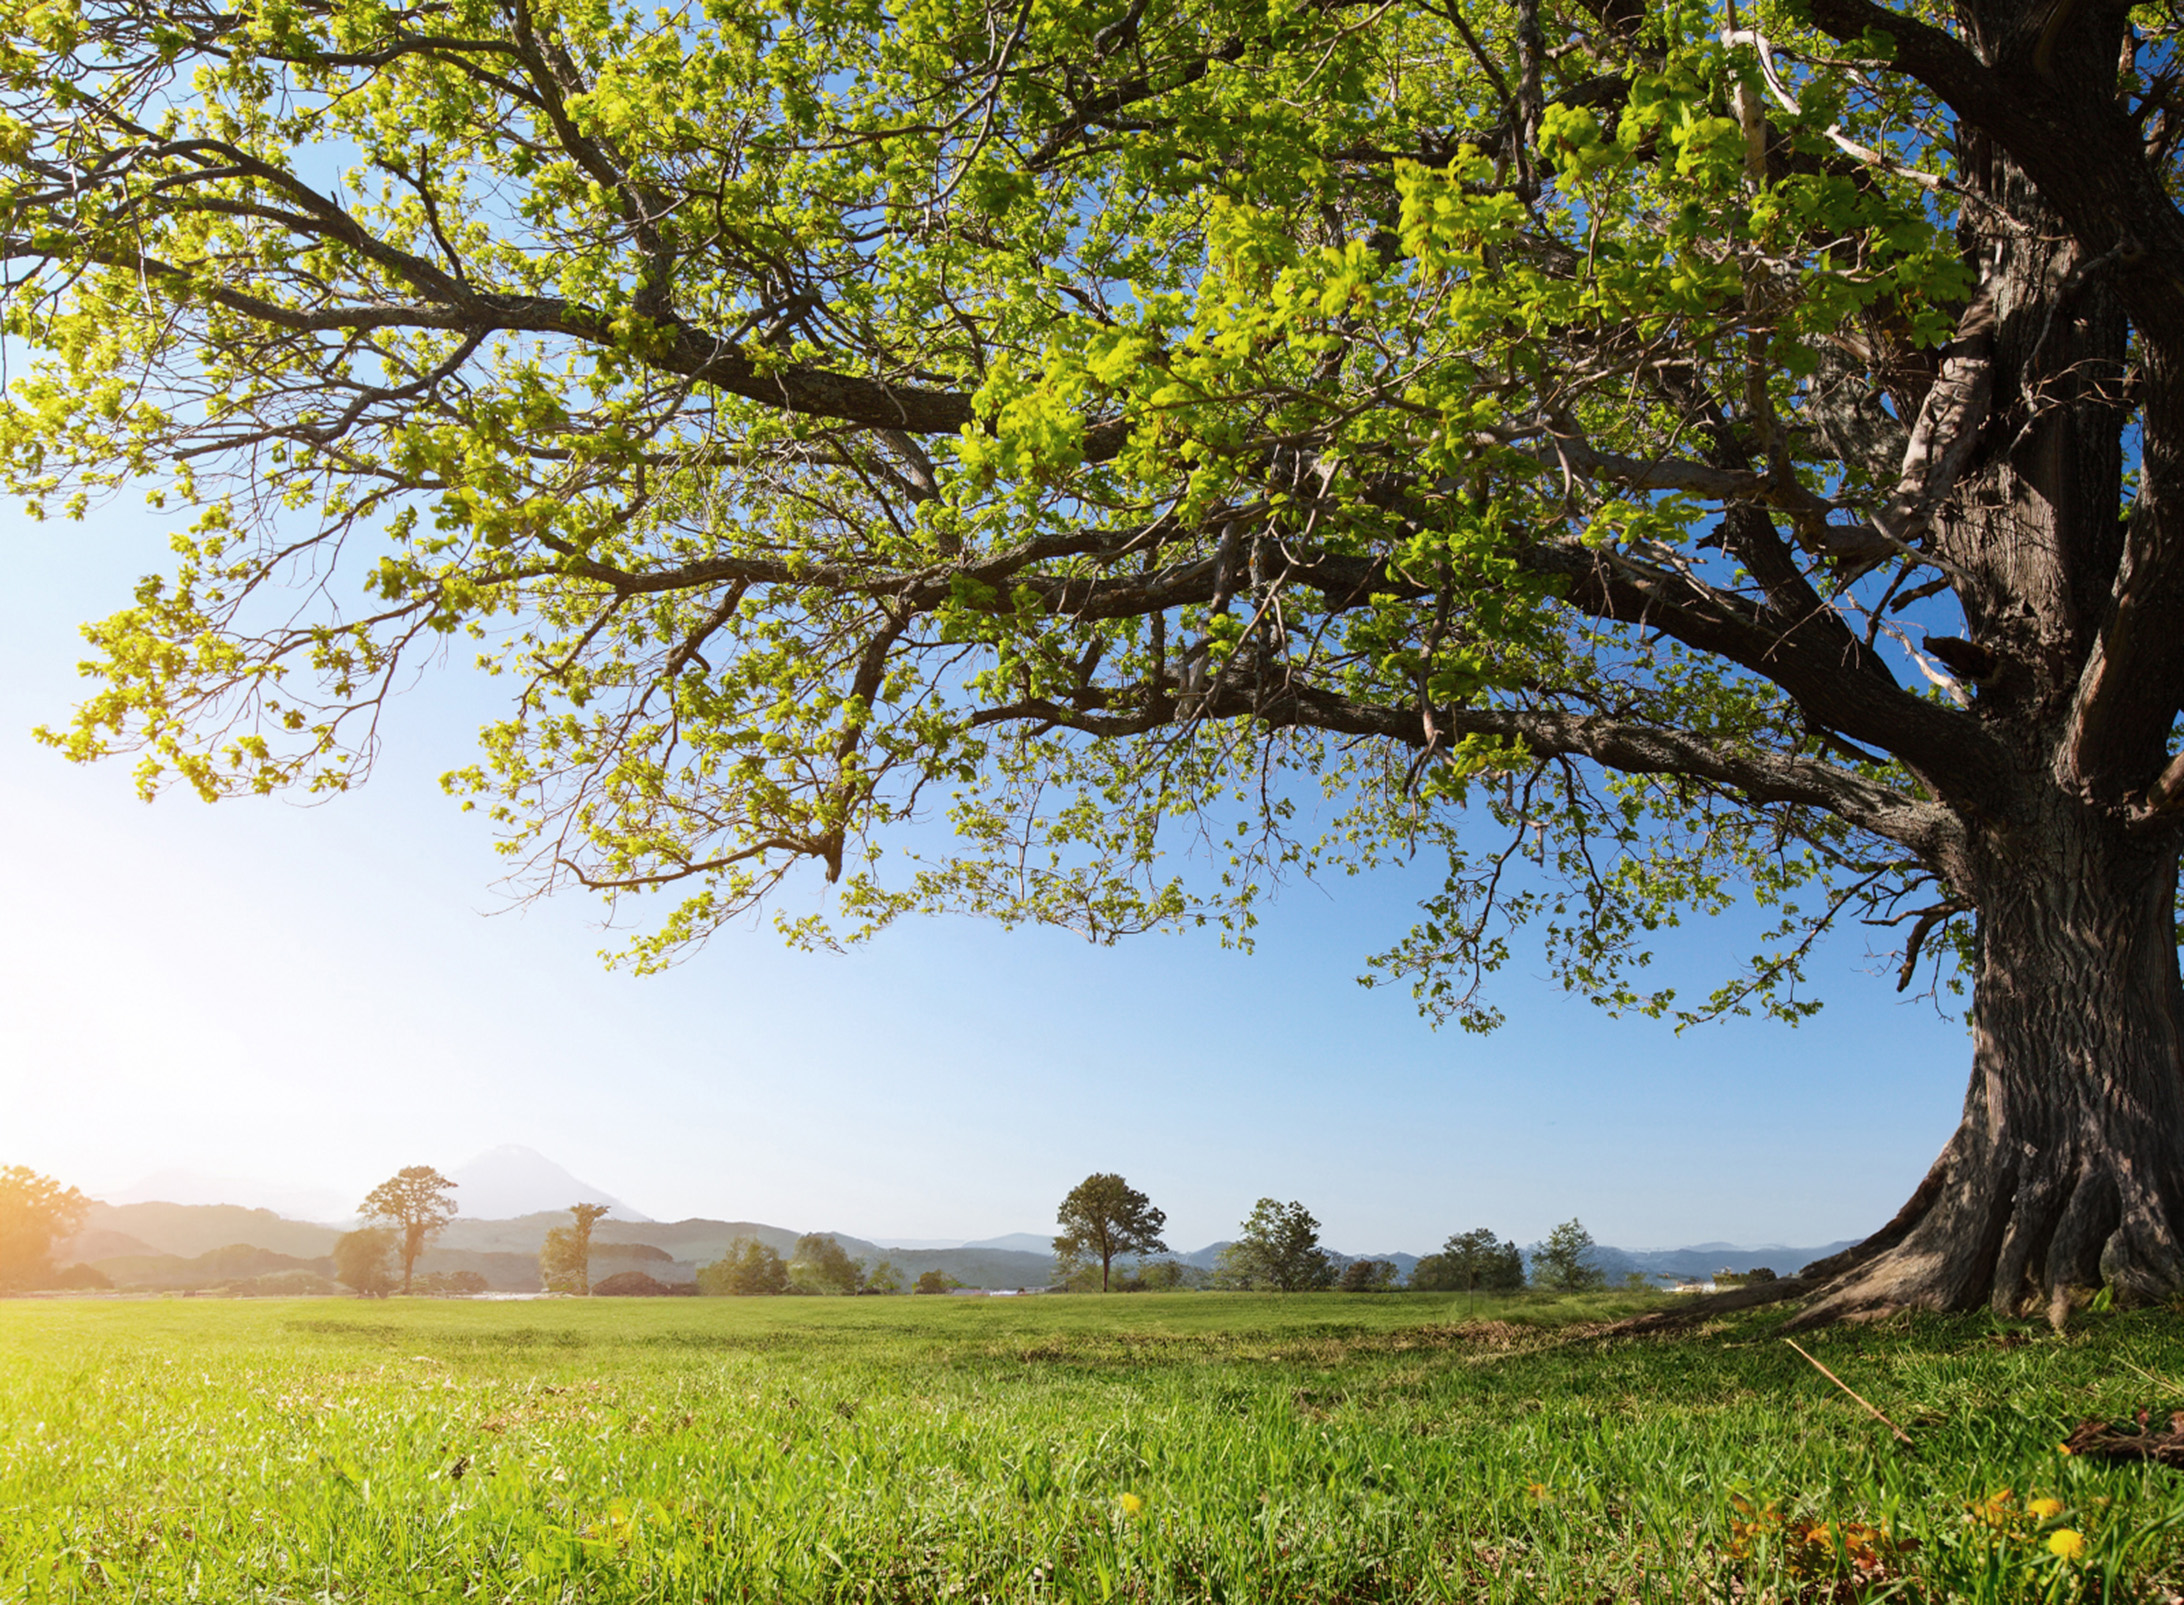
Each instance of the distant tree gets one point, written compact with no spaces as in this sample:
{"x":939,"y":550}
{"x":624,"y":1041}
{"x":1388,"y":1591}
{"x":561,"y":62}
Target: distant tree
{"x":821,"y":1265}
{"x":748,"y":1270}
{"x":1563,"y":1264}
{"x":1103,"y":1216}
{"x":1636,"y":1282}
{"x":80,"y":1278}
{"x":1277,"y":1248}
{"x":882,"y":1278}
{"x":1366,"y":1276}
{"x":1760,"y":1273}
{"x":361,"y":1261}
{"x":415,"y":1202}
{"x":935,"y":1282}
{"x":35,"y":1213}
{"x":1471,"y":1262}
{"x":564,"y":1261}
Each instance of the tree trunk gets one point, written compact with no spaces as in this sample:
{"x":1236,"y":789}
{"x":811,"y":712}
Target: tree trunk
{"x":2067,"y":1173}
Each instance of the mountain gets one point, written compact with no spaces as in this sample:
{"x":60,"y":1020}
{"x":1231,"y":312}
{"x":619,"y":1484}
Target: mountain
{"x":1704,"y":1259}
{"x":1017,"y":1243}
{"x":514,"y":1180}
{"x":919,"y":1242}
{"x":188,"y":1230}
{"x":178,"y":1185}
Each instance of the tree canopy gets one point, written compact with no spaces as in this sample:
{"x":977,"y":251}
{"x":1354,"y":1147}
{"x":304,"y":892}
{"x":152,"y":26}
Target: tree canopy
{"x":417,"y":1202}
{"x":1471,"y":1262}
{"x":1563,"y":1262}
{"x":821,"y":1264}
{"x":35,"y":1213}
{"x":564,"y":1259}
{"x":1636,"y":461}
{"x":1103,"y":1216}
{"x":1277,"y":1250}
{"x":749,"y":1269}
{"x":363,"y":1260}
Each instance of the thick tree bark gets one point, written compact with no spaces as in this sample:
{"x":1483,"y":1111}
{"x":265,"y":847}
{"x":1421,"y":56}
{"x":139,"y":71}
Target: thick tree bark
{"x":2067,"y":1173}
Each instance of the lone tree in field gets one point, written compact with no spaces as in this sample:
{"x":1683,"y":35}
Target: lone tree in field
{"x":1471,"y":1262}
{"x":361,"y":1260}
{"x":1277,"y":1249}
{"x":1563,"y":1262}
{"x":414,"y":1202}
{"x":1103,"y":1216}
{"x":820,"y":1264}
{"x":564,"y":1259}
{"x":749,"y":1269}
{"x":1742,"y":456}
{"x":35,"y":1213}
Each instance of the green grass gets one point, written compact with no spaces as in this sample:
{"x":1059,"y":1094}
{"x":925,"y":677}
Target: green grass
{"x":1309,"y":1448}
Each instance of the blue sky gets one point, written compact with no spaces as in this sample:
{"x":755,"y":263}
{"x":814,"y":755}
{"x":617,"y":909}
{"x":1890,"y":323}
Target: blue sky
{"x":313,"y":996}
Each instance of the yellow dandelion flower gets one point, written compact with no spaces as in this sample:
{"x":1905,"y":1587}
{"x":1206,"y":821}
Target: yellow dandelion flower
{"x":2043,"y":1509}
{"x":1133,"y":1505}
{"x":2066,"y":1543}
{"x":1538,"y":1490}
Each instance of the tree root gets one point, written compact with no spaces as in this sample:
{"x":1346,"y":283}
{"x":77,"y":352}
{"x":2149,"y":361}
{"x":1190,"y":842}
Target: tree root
{"x":1701,"y":1307}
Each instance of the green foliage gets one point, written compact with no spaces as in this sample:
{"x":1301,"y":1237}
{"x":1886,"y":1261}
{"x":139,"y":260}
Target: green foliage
{"x":748,"y":1270}
{"x":935,"y":1282}
{"x":564,"y":1259}
{"x":820,"y":1264}
{"x":364,"y":1260}
{"x":1282,"y":1449}
{"x":1163,"y":1276}
{"x":820,"y":415}
{"x":35,"y":1212}
{"x":416,"y":1202}
{"x":1103,"y":1216}
{"x":1562,"y":1264}
{"x":882,"y":1278}
{"x":563,"y":1264}
{"x":1471,"y":1262}
{"x":1276,"y":1250}
{"x":1366,"y":1276}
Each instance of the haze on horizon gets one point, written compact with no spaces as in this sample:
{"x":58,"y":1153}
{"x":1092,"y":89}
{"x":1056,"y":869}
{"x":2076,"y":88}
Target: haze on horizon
{"x":307,"y":998}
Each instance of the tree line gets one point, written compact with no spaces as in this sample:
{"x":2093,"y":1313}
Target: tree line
{"x":1103,"y":1219}
{"x":1277,"y":1249}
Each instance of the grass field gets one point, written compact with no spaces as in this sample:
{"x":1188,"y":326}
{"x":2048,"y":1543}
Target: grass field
{"x":1181,"y":1447}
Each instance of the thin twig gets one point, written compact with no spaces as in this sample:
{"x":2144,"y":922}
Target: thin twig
{"x":1902,"y":1436}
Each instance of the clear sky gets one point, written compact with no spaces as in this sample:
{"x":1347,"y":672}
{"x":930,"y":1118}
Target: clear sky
{"x":314,"y":996}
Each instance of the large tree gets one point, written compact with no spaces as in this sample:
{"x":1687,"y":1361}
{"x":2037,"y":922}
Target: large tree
{"x":1471,"y":1262}
{"x":1631,"y":457}
{"x":416,"y":1202}
{"x":35,"y":1213}
{"x":363,"y":1260}
{"x":1103,"y":1216}
{"x":564,"y":1259}
{"x":1277,"y":1248}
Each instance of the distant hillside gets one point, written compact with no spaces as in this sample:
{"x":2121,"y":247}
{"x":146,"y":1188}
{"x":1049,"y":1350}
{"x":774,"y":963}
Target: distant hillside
{"x":187,"y":1230}
{"x":234,"y":1262}
{"x":1707,"y":1258}
{"x":505,"y":1252}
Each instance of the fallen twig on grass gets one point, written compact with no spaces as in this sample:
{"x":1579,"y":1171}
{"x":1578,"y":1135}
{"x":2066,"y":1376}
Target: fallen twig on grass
{"x":1872,"y":1409}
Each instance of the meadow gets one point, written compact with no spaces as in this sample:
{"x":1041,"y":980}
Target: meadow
{"x":1177,"y":1447}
